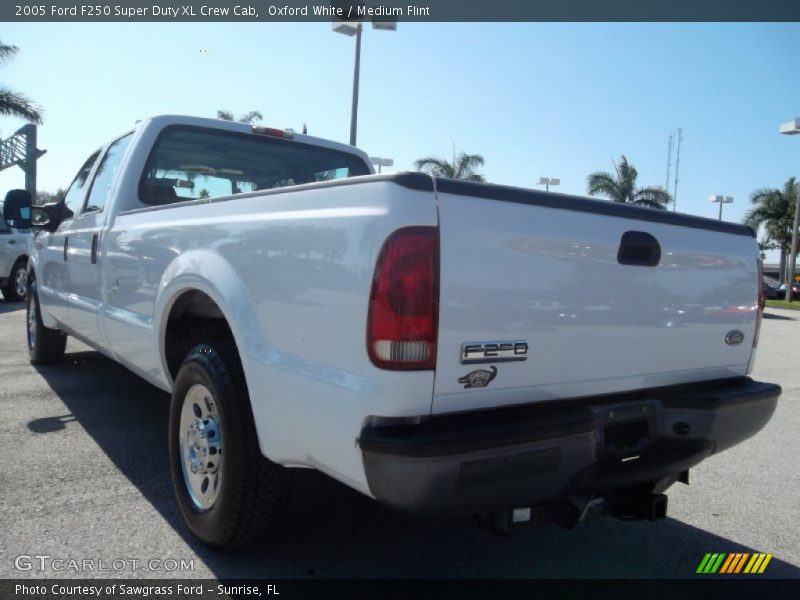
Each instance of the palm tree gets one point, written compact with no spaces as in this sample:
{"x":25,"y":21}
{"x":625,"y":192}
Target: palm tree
{"x":250,"y":118}
{"x":622,"y":187}
{"x":462,"y":167}
{"x":14,"y":104}
{"x":773,"y":209}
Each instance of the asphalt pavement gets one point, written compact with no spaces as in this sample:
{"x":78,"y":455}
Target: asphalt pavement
{"x":84,"y":476}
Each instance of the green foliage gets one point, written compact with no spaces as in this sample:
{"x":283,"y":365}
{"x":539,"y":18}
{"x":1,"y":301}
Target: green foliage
{"x":14,"y":104}
{"x":464,"y":167}
{"x":773,"y":210}
{"x":43,"y":198}
{"x":621,"y":187}
{"x":250,"y":117}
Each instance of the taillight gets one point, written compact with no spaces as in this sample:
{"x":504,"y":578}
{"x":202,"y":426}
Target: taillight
{"x":761,"y":302}
{"x":404,"y":303}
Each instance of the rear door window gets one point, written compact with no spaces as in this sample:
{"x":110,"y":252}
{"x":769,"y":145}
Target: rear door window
{"x":106,"y":173}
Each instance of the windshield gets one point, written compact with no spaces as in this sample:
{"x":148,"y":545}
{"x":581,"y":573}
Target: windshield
{"x":191,"y":163}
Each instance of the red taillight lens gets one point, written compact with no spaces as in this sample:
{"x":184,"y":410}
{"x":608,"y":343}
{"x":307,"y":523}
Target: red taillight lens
{"x":404,"y":303}
{"x":761,"y":302}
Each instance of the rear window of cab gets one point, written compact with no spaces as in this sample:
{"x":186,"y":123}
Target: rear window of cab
{"x":194,"y":163}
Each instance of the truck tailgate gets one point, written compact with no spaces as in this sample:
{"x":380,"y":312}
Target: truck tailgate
{"x":547,"y":271}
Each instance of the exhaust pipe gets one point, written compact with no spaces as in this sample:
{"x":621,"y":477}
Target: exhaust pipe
{"x":637,"y":507}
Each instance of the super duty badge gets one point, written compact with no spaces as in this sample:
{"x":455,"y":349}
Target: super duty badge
{"x":494,"y":352}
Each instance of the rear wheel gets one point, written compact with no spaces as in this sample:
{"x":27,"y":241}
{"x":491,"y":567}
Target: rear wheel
{"x":229,"y":494}
{"x":45,"y":345}
{"x":17,"y":285}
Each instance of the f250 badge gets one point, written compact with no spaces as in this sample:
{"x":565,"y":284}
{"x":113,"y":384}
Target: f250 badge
{"x":478,"y":379}
{"x":493,"y":352}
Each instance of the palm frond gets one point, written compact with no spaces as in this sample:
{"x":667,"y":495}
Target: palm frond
{"x":13,"y":104}
{"x":7,"y":52}
{"x":435,"y":166}
{"x":605,"y":184}
{"x":773,"y":213}
{"x":653,"y":197}
{"x":250,"y":117}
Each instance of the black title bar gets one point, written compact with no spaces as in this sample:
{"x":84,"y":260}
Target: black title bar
{"x":394,"y":10}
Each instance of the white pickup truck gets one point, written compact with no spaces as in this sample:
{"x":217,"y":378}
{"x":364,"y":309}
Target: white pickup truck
{"x":442,"y":346}
{"x":14,"y":249}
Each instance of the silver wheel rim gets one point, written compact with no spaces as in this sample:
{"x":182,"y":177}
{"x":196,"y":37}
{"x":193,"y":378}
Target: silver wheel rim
{"x":200,"y":437}
{"x":21,"y":282}
{"x":31,"y":323}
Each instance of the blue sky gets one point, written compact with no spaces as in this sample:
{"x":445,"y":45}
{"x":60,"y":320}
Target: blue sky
{"x":559,"y":100}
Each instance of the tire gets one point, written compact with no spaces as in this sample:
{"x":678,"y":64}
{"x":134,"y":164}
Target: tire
{"x":17,"y":285}
{"x":45,"y":345}
{"x":230,"y":495}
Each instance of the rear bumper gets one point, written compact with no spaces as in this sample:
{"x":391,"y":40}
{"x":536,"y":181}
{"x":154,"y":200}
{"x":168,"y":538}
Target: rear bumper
{"x":500,"y":459}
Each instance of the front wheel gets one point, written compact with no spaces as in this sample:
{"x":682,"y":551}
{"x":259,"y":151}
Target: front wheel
{"x":229,"y":494}
{"x":45,"y":345}
{"x":17,"y":285}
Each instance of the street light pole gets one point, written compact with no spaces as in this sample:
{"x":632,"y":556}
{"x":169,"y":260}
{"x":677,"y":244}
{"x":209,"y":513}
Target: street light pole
{"x":381,"y":162}
{"x":792,"y":128}
{"x":547,"y":182}
{"x":355,"y":28}
{"x":356,"y":73}
{"x":722,"y":200}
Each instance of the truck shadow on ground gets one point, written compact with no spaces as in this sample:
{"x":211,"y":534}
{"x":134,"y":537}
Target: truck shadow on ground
{"x":778,"y":317}
{"x":332,"y":531}
{"x":8,"y":307}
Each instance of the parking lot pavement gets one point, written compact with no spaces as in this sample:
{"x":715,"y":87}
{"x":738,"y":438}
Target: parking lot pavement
{"x":84,"y":475}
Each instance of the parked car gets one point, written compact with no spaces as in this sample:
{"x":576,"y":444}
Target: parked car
{"x":384,"y":329}
{"x":795,"y":291}
{"x":771,"y":292}
{"x":15,"y":246}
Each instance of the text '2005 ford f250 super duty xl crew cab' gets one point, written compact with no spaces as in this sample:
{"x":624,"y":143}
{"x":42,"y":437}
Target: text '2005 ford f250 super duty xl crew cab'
{"x":444,"y":347}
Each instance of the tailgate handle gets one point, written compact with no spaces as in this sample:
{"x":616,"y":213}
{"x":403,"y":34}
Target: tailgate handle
{"x":639,"y":248}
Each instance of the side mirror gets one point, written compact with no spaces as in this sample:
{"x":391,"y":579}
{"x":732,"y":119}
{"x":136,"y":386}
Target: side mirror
{"x":17,"y":209}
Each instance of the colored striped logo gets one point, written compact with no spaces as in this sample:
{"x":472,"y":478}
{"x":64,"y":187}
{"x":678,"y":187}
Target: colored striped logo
{"x":736,"y":562}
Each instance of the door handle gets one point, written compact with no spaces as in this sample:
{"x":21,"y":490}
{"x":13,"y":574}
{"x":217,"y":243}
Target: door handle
{"x":66,"y":246}
{"x":12,"y":242}
{"x":94,"y":249}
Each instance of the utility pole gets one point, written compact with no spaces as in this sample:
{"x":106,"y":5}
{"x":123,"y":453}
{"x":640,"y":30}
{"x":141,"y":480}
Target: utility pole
{"x":669,"y":162}
{"x":677,"y":167}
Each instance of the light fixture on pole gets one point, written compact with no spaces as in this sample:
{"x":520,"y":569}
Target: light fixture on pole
{"x":381,"y":162}
{"x":722,"y":200}
{"x":547,"y":182}
{"x":792,"y":128}
{"x":354,"y":28}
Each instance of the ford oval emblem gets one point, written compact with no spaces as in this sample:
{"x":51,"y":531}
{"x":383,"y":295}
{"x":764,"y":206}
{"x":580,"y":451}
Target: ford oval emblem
{"x":734,"y":337}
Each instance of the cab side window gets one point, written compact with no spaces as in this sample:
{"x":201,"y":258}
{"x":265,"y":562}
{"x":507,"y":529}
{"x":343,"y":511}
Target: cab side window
{"x":74,"y":195}
{"x":106,"y":173}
